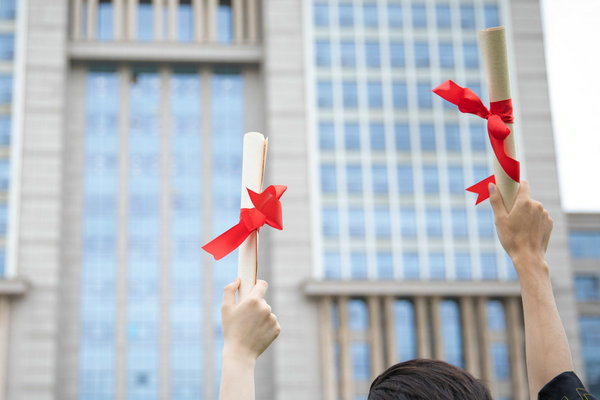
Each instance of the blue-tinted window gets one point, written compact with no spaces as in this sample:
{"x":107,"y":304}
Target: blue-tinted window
{"x":332,"y":265}
{"x":456,"y":183}
{"x":485,"y":222}
{"x":427,"y":135}
{"x":434,"y":222}
{"x":405,"y":179}
{"x":330,"y":222}
{"x":328,"y":179}
{"x":402,"y":134}
{"x":382,"y":222}
{"x":404,"y":330}
{"x":321,"y":14}
{"x":374,"y":92}
{"x":8,"y":9}
{"x":460,"y":228}
{"x":500,"y":360}
{"x":451,"y":332}
{"x":356,"y":222}
{"x":419,"y":16}
{"x":397,"y":57}
{"x":462,"y":265}
{"x":424,"y":93}
{"x":495,"y":316}
{"x":399,"y":95}
{"x":351,"y":136}
{"x":452,"y":137}
{"x":324,"y":94}
{"x":394,"y":15}
{"x":380,"y":179}
{"x":492,"y":15}
{"x":105,"y":20}
{"x":326,"y":136}
{"x":475,"y":86}
{"x":323,"y":53}
{"x":361,"y":368}
{"x":7,"y":46}
{"x":373,"y":58}
{"x":185,"y":21}
{"x":225,"y":22}
{"x":421,"y":54}
{"x":446,"y":55}
{"x":358,"y":265}
{"x":358,"y":315}
{"x":346,"y":14}
{"x":370,"y":15}
{"x":5,"y":128}
{"x":430,"y":179}
{"x":347,"y":54}
{"x":410,"y":262}
{"x":478,"y":136}
{"x":385,"y":265}
{"x":480,"y":172}
{"x":6,"y":83}
{"x":587,"y":287}
{"x":408,"y":222}
{"x":437,"y":266}
{"x":145,"y":20}
{"x":471,"y":55}
{"x":510,"y":268}
{"x":377,"y":136}
{"x":467,"y":16}
{"x":350,"y":93}
{"x":489,"y":266}
{"x":442,"y":14}
{"x":585,"y":244}
{"x":354,"y":178}
{"x":589,"y":329}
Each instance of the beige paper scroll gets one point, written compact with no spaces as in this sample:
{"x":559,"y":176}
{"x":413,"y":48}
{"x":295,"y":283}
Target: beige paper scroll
{"x":253,"y":167}
{"x":495,"y":63}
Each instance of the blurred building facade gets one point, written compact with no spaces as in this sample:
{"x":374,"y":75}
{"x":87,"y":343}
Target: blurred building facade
{"x":129,"y":158}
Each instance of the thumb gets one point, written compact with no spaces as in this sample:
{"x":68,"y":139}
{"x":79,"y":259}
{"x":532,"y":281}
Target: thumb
{"x":229,"y":292}
{"x":496,"y":201}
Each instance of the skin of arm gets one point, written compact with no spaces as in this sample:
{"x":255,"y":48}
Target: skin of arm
{"x":524,"y":233}
{"x":248,"y":329}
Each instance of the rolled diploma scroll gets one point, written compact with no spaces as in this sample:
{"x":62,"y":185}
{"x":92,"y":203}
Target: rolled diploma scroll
{"x":495,"y":63}
{"x":253,"y":167}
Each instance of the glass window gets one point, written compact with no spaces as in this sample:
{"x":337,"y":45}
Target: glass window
{"x":492,"y":15}
{"x":370,"y":15}
{"x":7,"y":46}
{"x":346,"y":14}
{"x":330,"y":222}
{"x":374,"y":92}
{"x":8,"y":9}
{"x":324,"y":94}
{"x":5,"y":128}
{"x":397,"y":57}
{"x":455,"y":180}
{"x":385,"y":265}
{"x":361,"y":366}
{"x":394,"y":15}
{"x":434,"y":222}
{"x":6,"y":84}
{"x":358,"y":315}
{"x":587,"y":287}
{"x":427,"y":135}
{"x":145,"y":20}
{"x":471,"y":55}
{"x":485,"y":222}
{"x":405,"y":179}
{"x":467,"y":16}
{"x":382,"y":222}
{"x":475,"y":87}
{"x":332,"y":265}
{"x":358,"y":265}
{"x":185,"y":21}
{"x":225,"y":22}
{"x":452,"y":137}
{"x":500,"y":360}
{"x":347,"y":54}
{"x":449,"y":316}
{"x":377,"y":135}
{"x":350,"y":93}
{"x":404,"y":330}
{"x":495,"y":316}
{"x":323,"y":53}
{"x":462,"y":265}
{"x":408,"y":222}
{"x":430,"y":179}
{"x":356,"y":221}
{"x":489,"y":266}
{"x":354,"y":178}
{"x":373,"y":59}
{"x":424,"y":95}
{"x":442,"y":14}
{"x":321,"y":14}
{"x":478,"y":136}
{"x":460,"y":228}
{"x":437,"y":267}
{"x":589,"y":329}
{"x":585,"y":244}
{"x":446,"y":55}
{"x":410,"y":262}
{"x":402,"y":134}
{"x":352,"y":136}
{"x":380,"y":184}
{"x":480,"y":172}
{"x":421,"y":54}
{"x":419,"y":16}
{"x":399,"y":95}
{"x":105,"y":20}
{"x":326,"y":136}
{"x":328,"y":179}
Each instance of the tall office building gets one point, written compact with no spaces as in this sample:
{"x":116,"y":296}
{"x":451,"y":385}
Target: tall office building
{"x":129,"y":158}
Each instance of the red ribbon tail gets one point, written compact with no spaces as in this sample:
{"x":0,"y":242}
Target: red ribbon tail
{"x":481,"y":188}
{"x":228,"y":241}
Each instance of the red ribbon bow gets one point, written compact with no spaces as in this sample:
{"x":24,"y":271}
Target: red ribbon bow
{"x":267,"y":209}
{"x":499,"y":114}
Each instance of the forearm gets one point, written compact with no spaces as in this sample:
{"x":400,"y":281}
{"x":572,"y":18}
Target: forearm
{"x":237,"y":378}
{"x":546,"y":346}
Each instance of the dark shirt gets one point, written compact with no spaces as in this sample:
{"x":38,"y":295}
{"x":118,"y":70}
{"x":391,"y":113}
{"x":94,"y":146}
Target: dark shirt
{"x":565,"y":386}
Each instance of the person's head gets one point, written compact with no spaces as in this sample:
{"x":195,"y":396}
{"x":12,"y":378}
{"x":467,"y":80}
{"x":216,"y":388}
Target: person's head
{"x":422,"y":379}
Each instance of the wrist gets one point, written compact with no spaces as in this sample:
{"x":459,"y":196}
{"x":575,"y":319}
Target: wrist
{"x":531,"y":265}
{"x":238,"y":355}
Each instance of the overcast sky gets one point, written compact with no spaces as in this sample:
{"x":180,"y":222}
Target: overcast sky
{"x":572,"y":36}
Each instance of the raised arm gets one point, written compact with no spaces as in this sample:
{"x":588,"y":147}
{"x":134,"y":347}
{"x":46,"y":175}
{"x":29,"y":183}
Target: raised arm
{"x":524,"y":234}
{"x":248,"y":329}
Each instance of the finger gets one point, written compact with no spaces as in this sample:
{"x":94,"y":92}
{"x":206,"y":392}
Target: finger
{"x":259,"y":289}
{"x":524,"y":190}
{"x":229,"y":292}
{"x":496,"y":201}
